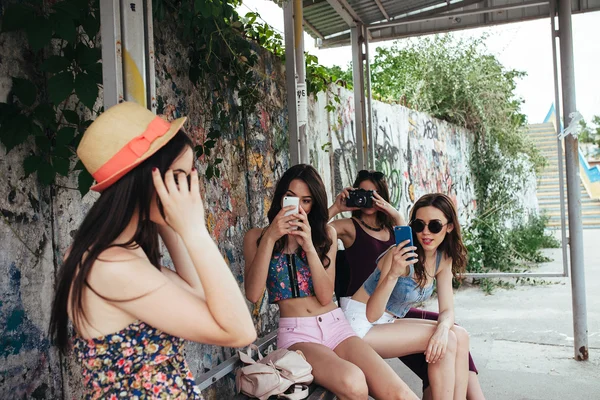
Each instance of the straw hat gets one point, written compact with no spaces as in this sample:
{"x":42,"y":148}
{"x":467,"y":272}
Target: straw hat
{"x":120,"y":139}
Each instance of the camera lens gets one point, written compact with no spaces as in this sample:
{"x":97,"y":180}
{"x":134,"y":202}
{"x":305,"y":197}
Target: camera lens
{"x":361,"y":200}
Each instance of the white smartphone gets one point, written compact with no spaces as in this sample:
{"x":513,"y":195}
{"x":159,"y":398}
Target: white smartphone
{"x":291,"y":201}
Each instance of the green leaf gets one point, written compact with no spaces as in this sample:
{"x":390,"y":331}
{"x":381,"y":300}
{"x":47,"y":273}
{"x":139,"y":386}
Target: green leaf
{"x":62,"y":152}
{"x":95,"y":70}
{"x":43,"y":143}
{"x":218,"y":161}
{"x":60,"y":86}
{"x":56,"y":64}
{"x":86,"y":89}
{"x":199,"y":150}
{"x":45,"y":115}
{"x":71,"y":117}
{"x":63,"y":26}
{"x":65,"y":136}
{"x":86,"y":56}
{"x":61,"y":165}
{"x":16,"y":17}
{"x":46,"y":173}
{"x":85,"y":181}
{"x":36,"y":130}
{"x":25,"y":90}
{"x":217,"y":172}
{"x":31,"y":164}
{"x":210,"y":171}
{"x":91,"y":26}
{"x":78,"y":166}
{"x":39,"y":33}
{"x":15,"y":130}
{"x":67,"y":8}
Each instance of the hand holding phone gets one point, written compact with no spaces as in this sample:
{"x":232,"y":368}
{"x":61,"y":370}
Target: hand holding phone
{"x":402,"y":234}
{"x":291,"y":201}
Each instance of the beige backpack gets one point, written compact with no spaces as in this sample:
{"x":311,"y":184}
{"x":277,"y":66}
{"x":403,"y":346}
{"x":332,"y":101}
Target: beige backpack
{"x":281,"y":373}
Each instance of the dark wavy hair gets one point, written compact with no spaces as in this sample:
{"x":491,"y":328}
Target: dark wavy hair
{"x":107,"y":219}
{"x":452,"y":245}
{"x":318,"y":215}
{"x":383,"y":190}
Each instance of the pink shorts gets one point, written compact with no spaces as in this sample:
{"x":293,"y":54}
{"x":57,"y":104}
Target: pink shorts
{"x":329,"y":329}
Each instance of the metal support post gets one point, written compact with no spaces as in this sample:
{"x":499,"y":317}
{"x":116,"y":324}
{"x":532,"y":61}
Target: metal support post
{"x":370,"y":122}
{"x":128,"y":52}
{"x":290,"y":78}
{"x":573,"y":184}
{"x":561,"y":168}
{"x":358,"y":80}
{"x":301,"y":93}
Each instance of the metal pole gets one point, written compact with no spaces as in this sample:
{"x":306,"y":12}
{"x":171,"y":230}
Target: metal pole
{"x":370,"y":137}
{"x":112,"y":63}
{"x":561,"y":172}
{"x":290,"y":77}
{"x":358,"y":79}
{"x":301,"y":81}
{"x":573,"y":184}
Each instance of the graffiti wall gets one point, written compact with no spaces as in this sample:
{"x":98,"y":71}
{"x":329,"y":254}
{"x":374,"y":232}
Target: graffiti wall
{"x":417,"y":153}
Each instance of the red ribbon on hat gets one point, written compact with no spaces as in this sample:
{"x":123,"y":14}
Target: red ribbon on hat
{"x":133,"y":150}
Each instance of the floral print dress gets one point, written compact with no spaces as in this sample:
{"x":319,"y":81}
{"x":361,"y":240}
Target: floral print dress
{"x":138,"y":362}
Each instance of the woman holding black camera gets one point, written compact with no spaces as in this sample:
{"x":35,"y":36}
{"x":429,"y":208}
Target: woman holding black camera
{"x":370,"y":230}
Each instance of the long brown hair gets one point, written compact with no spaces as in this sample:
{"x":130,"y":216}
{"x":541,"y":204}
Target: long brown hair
{"x":378,"y":179}
{"x":318,"y":216}
{"x":452,"y":245}
{"x":107,"y":219}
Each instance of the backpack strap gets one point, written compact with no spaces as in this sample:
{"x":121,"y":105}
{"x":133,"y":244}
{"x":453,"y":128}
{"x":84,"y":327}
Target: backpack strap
{"x":299,"y":392}
{"x":246,"y":357}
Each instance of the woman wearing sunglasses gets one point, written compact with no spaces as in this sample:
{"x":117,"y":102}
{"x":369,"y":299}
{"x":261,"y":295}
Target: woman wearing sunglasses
{"x":405,"y":275}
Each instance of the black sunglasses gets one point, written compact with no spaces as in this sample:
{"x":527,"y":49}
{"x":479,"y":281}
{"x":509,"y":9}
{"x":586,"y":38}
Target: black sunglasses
{"x":376,"y":175}
{"x":435,"y":226}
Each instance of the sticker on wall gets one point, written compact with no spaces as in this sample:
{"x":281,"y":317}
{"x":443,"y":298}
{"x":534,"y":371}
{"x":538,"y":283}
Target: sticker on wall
{"x":302,"y":101}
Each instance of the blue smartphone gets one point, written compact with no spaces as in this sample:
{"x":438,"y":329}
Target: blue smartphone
{"x":403,"y":233}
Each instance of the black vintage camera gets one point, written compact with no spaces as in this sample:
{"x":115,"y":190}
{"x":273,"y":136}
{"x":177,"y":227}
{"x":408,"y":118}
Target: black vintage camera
{"x":360,"y":198}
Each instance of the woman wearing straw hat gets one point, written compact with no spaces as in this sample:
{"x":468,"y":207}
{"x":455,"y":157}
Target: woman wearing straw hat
{"x":131,"y":315}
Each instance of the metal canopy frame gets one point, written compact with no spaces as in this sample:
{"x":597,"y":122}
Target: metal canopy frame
{"x":359,"y":22}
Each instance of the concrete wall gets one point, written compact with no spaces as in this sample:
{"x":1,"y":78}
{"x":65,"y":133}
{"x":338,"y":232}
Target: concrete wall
{"x":418,"y":153}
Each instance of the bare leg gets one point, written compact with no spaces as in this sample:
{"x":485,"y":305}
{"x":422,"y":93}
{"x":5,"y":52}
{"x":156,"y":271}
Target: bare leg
{"x":410,"y":336}
{"x":462,"y":362}
{"x":382,"y":380}
{"x":474,"y":391}
{"x":347,"y":380}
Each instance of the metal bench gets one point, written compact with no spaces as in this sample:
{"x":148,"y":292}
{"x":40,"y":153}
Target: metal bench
{"x":231,"y":364}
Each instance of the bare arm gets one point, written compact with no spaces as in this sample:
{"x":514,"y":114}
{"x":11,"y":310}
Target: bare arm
{"x":436,"y":348}
{"x":258,"y":257}
{"x":392,"y":266}
{"x":323,"y":279}
{"x":339,"y":205}
{"x":445,"y":297}
{"x":181,"y":260}
{"x":257,"y":263}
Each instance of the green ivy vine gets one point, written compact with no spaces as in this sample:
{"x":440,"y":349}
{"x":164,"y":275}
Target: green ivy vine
{"x":65,"y":79}
{"x":67,"y":73}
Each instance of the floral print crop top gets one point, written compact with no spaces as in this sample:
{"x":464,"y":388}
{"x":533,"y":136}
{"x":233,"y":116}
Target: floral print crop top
{"x":289,"y":277}
{"x":139,"y":362}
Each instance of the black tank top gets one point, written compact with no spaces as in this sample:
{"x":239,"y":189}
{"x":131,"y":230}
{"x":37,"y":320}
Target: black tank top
{"x":361,"y":256}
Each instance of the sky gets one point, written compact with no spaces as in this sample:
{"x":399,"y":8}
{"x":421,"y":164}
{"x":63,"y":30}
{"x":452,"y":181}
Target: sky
{"x":524,"y":46}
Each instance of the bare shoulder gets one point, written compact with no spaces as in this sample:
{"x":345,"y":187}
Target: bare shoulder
{"x":445,"y":263}
{"x":121,"y":274}
{"x":342,"y":224}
